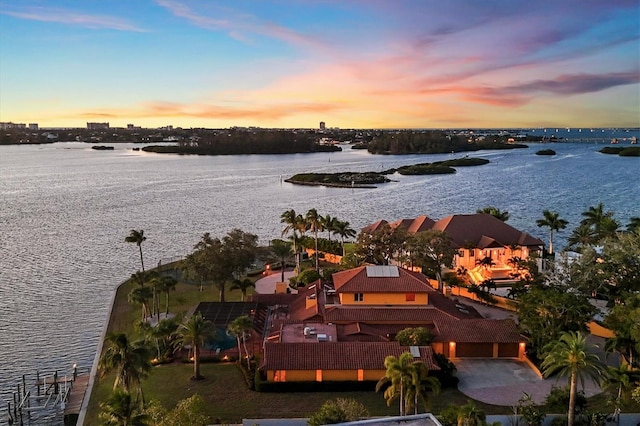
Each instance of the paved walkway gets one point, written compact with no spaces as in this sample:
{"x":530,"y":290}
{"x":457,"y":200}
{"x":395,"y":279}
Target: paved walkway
{"x":267,"y":285}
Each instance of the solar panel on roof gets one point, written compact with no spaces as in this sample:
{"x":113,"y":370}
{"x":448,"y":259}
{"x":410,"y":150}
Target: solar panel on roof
{"x":382,"y":271}
{"x":415,"y":351}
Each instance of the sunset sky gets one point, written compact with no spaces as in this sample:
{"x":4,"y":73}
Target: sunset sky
{"x":352,"y":64}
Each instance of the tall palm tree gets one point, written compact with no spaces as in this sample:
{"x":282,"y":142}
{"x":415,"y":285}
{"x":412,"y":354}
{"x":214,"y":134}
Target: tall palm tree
{"x":420,"y":385}
{"x":296,"y":225}
{"x":344,"y":230}
{"x":570,"y":357}
{"x":553,"y":221}
{"x":495,"y":212}
{"x":166,"y":285}
{"x":282,"y":250}
{"x":314,"y":224}
{"x":138,"y":238}
{"x":141,"y":296}
{"x":131,"y":362}
{"x":121,"y":410}
{"x":195,"y":332}
{"x":240,"y":327}
{"x":328,"y":223}
{"x":398,"y":376}
{"x":243,"y":286}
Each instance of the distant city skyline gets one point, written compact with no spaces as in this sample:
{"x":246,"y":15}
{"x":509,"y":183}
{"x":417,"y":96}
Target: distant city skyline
{"x":294,"y":64}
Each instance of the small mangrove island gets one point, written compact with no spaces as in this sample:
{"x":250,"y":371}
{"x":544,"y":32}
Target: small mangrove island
{"x":368,"y":179}
{"x":630,"y":151}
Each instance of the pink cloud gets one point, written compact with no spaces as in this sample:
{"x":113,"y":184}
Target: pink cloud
{"x":240,"y":25}
{"x":66,"y":17}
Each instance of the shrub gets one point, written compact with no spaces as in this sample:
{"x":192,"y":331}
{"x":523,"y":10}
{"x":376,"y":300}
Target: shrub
{"x":337,"y":411}
{"x":447,"y":372}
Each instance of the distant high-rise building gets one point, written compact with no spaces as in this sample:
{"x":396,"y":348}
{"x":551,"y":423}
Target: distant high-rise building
{"x":323,"y":126}
{"x":97,"y":126}
{"x":33,"y":126}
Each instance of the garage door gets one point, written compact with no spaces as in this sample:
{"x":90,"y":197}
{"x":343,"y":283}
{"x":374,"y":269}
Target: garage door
{"x":474,"y":350}
{"x":508,"y":350}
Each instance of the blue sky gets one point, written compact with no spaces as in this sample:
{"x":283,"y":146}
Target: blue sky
{"x":352,"y":64}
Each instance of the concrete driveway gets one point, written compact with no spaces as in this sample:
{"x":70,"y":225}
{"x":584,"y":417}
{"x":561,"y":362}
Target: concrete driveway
{"x":503,"y":382}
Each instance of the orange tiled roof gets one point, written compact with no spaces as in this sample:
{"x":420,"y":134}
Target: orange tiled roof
{"x":337,"y":355}
{"x":479,"y":331}
{"x":357,"y":281}
{"x":371,"y":228}
{"x":409,"y":315}
{"x":477,"y":228}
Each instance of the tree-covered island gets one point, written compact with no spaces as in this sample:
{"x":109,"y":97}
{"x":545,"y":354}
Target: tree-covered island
{"x":366,"y":180}
{"x":238,"y":142}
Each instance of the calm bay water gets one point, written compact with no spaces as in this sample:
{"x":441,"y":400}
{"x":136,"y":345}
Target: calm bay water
{"x":65,"y":210}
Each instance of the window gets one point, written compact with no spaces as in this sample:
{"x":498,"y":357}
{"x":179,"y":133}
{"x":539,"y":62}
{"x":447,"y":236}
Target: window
{"x":410,"y":297}
{"x":358,"y":297}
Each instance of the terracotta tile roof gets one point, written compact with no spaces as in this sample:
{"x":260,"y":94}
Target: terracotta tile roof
{"x":360,"y":332}
{"x":421,"y":223}
{"x":479,"y":331}
{"x":414,"y":315}
{"x":337,"y":355}
{"x":373,"y":227}
{"x":401,"y":223}
{"x":472,"y":228}
{"x":357,"y":281}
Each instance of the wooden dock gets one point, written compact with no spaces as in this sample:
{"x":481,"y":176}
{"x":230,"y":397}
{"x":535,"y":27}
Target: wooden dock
{"x":76,"y":395}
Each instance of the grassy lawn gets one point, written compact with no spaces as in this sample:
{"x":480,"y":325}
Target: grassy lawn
{"x":224,"y":389}
{"x":229,"y":400}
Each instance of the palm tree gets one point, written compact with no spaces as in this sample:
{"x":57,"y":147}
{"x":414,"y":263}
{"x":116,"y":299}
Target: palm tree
{"x":343,"y":230}
{"x":620,"y":381}
{"x":295,"y":225}
{"x":420,"y":385}
{"x":314,"y":224}
{"x":240,"y":327}
{"x":166,"y":284}
{"x":163,"y":334}
{"x":570,"y":357}
{"x":593,"y":216}
{"x":282,"y":250}
{"x":328,"y":223}
{"x":121,"y":410}
{"x":398,"y":376}
{"x":130,"y":361}
{"x":141,"y":295}
{"x":243,"y":286}
{"x":470,"y":415}
{"x":634,"y":224}
{"x":495,"y":212}
{"x":553,"y":222}
{"x":138,"y":238}
{"x":195,"y":332}
{"x":583,"y":235}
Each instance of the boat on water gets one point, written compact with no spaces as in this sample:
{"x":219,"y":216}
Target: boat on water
{"x":614,"y":141}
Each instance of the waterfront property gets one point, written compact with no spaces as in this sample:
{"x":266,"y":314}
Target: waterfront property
{"x":486,"y":246}
{"x":342,"y":332}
